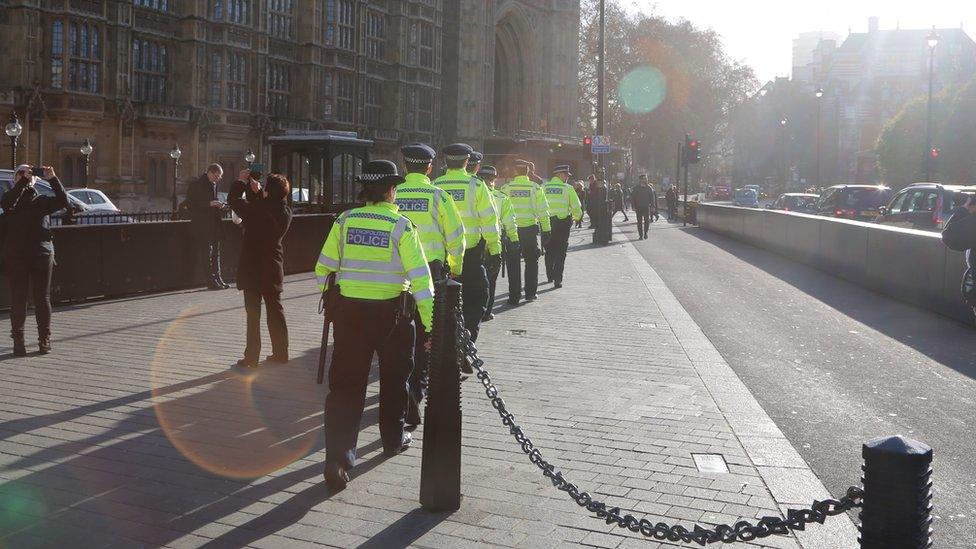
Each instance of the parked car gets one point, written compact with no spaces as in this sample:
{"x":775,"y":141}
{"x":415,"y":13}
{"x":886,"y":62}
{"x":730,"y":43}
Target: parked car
{"x":923,"y":206}
{"x":721,"y":192}
{"x":758,"y":189}
{"x":747,"y":198}
{"x":94,"y":199}
{"x":795,"y":202}
{"x":860,"y":202}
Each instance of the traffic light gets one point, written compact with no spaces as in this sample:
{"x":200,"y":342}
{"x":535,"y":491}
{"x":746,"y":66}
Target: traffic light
{"x":692,"y":151}
{"x":935,"y":153}
{"x":587,"y":141}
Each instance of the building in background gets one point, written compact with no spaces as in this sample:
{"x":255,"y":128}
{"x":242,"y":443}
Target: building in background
{"x":869,"y":77}
{"x":219,"y":76}
{"x":807,"y":53}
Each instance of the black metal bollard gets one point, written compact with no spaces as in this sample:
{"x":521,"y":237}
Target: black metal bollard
{"x":897,"y":505}
{"x":440,"y":470}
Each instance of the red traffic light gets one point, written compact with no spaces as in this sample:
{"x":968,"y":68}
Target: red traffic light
{"x":693,"y":144}
{"x":587,"y":141}
{"x":936,"y":152}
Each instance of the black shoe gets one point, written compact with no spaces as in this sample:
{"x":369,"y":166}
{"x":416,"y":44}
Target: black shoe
{"x":279,"y":358}
{"x":225,"y":285}
{"x":531,"y":297}
{"x":44,"y":345}
{"x":403,"y":447}
{"x":558,"y":284}
{"x":336,"y":478}
{"x":488,"y":317}
{"x":247,"y":363}
{"x":20,"y":349}
{"x":513,"y":302}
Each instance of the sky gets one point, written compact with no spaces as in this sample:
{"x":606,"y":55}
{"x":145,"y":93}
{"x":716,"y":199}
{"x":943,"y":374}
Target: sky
{"x":761,"y":32}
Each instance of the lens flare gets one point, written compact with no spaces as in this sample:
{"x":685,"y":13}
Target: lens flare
{"x":643,"y":89}
{"x":239,"y":425}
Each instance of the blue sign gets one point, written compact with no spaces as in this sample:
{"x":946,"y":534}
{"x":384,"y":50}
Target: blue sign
{"x":601,"y":144}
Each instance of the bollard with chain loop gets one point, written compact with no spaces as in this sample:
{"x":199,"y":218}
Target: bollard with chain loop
{"x":796,"y":519}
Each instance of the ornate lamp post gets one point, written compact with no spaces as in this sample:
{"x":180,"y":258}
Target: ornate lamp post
{"x":13,"y":131}
{"x":86,"y":150}
{"x":249,"y":157}
{"x":786,"y":161}
{"x":933,"y":41}
{"x":175,"y":154}
{"x":819,"y":93}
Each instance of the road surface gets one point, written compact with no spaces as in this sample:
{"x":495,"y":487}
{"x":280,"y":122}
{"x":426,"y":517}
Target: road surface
{"x":833,"y":364}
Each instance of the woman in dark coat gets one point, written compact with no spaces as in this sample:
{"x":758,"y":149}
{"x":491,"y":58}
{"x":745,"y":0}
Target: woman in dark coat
{"x":265,"y":217}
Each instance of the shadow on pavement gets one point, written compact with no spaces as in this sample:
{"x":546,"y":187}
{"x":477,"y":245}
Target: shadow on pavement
{"x":940,"y":338}
{"x":408,"y":529}
{"x":206,"y":449}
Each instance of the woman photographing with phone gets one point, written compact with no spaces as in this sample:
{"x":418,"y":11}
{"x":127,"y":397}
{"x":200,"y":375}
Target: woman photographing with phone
{"x":265,"y":218}
{"x":28,"y":251}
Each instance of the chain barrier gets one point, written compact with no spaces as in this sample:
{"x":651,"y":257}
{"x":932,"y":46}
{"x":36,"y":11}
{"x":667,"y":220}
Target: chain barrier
{"x":796,"y":519}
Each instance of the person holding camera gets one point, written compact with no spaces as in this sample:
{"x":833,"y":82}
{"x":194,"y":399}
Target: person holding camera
{"x":206,"y":213}
{"x":265,"y":218}
{"x":28,"y":251}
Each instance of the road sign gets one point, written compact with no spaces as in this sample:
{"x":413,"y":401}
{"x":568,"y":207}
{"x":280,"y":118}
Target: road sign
{"x":601,"y":144}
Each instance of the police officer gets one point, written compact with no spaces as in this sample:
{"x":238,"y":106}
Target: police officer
{"x":378,"y":258}
{"x":510,"y":241}
{"x":438,"y":223}
{"x":481,"y":235}
{"x":531,"y":214}
{"x":564,"y":209}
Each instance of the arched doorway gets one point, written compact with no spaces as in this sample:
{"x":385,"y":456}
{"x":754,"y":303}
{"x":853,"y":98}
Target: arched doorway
{"x":513,"y":87}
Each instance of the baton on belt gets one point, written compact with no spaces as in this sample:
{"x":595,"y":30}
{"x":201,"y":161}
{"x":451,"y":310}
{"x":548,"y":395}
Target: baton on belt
{"x":326,"y":304}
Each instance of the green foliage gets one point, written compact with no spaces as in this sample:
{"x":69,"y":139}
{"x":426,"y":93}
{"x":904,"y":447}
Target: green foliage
{"x":901,"y":146}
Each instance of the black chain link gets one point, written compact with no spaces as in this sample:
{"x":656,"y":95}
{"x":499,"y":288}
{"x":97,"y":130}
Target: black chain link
{"x":796,"y":519}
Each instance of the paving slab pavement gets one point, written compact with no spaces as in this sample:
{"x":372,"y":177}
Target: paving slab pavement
{"x":137,"y":433}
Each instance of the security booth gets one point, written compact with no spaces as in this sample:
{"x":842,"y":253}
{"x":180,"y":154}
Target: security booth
{"x":322,"y":167}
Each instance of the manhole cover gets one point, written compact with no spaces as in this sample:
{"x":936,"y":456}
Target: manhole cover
{"x":710,"y":463}
{"x":517,"y":332}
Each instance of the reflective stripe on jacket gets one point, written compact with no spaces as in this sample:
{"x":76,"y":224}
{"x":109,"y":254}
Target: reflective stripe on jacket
{"x":562,"y":200}
{"x":377,"y":255}
{"x":528,"y":202}
{"x":436,"y":217}
{"x":506,"y":214}
{"x":477,"y":210}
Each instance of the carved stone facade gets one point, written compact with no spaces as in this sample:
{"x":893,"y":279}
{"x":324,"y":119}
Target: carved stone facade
{"x":214,"y":76}
{"x":219,"y":76}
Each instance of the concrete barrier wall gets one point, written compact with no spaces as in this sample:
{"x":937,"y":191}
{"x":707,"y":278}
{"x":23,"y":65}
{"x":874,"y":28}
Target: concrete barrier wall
{"x":913,"y":266}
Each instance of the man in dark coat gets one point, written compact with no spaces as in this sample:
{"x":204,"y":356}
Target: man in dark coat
{"x":205,"y":215}
{"x":671,"y":197}
{"x":644,"y":200}
{"x":617,"y":202}
{"x":265,"y":217}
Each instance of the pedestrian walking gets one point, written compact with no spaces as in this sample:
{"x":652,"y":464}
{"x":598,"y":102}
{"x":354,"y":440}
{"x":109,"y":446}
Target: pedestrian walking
{"x":473,"y":201}
{"x":510,"y":239}
{"x":531,"y":215}
{"x":28,"y":251}
{"x":592,"y":201}
{"x":206,"y":213}
{"x":671,"y":198}
{"x":616,"y":198}
{"x":441,"y":232}
{"x":644,"y":200}
{"x":265,"y":218}
{"x":379,"y":264}
{"x":564,"y":209}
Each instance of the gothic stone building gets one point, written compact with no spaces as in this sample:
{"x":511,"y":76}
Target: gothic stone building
{"x":220,"y":76}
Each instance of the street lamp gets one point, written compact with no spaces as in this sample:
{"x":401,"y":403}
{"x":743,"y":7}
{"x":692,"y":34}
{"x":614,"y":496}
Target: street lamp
{"x":86,"y":150}
{"x":13,"y":130}
{"x":819,"y":94}
{"x":933,"y":41}
{"x":249,"y":157}
{"x":175,"y":154}
{"x":786,"y":162}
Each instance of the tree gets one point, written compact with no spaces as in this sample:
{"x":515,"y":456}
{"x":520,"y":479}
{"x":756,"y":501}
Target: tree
{"x":901,"y":148}
{"x":680,"y":74}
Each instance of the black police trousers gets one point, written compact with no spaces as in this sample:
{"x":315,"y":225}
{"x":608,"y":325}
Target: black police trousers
{"x":474,"y":288}
{"x":362,"y":327}
{"x":558,"y":246}
{"x":419,"y":376}
{"x":513,"y":266}
{"x":529,"y":244}
{"x":494,"y":267}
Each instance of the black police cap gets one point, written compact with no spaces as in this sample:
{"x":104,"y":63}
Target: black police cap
{"x":457,"y":151}
{"x":380,"y":171}
{"x":418,"y":153}
{"x":487,"y":171}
